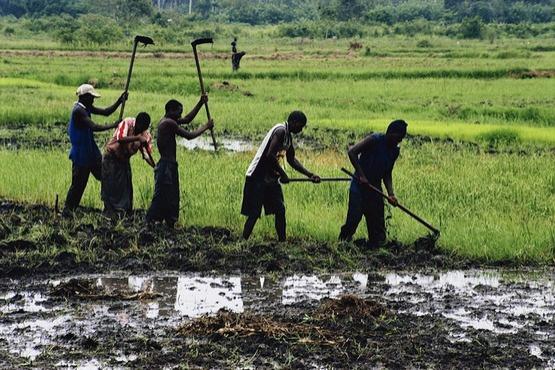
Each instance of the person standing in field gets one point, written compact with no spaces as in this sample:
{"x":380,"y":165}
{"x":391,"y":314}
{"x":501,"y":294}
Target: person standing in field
{"x":262,"y":187}
{"x":84,"y":152}
{"x":165,"y":202}
{"x":131,"y":135}
{"x":373,"y":159}
{"x":235,"y":56}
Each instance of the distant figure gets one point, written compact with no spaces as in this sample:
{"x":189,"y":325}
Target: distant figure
{"x":262,"y":188}
{"x":131,"y":135}
{"x":373,"y":159}
{"x":84,"y":152}
{"x":234,"y":45}
{"x":165,"y":202}
{"x":235,"y":56}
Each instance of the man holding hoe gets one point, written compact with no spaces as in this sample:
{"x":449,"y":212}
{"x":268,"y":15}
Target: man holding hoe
{"x":261,"y":184}
{"x":165,"y":202}
{"x":373,"y":159}
{"x":84,"y":152}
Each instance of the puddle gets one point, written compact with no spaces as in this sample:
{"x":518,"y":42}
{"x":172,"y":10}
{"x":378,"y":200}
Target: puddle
{"x":205,"y":143}
{"x":499,"y":303}
{"x":232,"y":145}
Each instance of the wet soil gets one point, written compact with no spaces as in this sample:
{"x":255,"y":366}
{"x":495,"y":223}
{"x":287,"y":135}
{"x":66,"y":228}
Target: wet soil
{"x":54,"y":136}
{"x":35,"y":240}
{"x":379,"y":318}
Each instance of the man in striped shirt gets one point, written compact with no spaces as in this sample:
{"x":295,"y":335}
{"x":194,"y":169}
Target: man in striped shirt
{"x":130,"y":136}
{"x":262,"y":187}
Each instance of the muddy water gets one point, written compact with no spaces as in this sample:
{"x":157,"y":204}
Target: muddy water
{"x":496,"y":303}
{"x":228,"y":144}
{"x":205,"y":143}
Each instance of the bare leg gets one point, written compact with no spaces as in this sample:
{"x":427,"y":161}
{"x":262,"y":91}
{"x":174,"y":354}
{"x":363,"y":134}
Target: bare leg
{"x":281,"y":225}
{"x":249,"y":226}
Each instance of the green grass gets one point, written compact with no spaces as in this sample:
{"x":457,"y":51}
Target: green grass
{"x":488,"y":206}
{"x":492,"y":207}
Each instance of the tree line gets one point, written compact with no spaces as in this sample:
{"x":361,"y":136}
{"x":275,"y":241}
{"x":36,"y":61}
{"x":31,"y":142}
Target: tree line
{"x":257,"y":12}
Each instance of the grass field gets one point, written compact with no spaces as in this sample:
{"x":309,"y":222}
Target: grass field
{"x":489,"y":204}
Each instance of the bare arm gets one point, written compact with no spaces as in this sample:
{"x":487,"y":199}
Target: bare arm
{"x":193,"y":113}
{"x":272,"y":153}
{"x":189,"y":135}
{"x":388,"y":182}
{"x":147,"y":157}
{"x":130,"y":139}
{"x":111,"y":109}
{"x":86,"y":121}
{"x":294,"y":162}
{"x":355,"y":151}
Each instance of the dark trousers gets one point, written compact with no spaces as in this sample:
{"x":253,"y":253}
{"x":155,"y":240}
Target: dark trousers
{"x":369,"y":205}
{"x":165,"y":202}
{"x":117,"y":185}
{"x":79,"y":179}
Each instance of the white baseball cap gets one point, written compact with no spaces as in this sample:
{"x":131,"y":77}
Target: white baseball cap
{"x":87,"y":89}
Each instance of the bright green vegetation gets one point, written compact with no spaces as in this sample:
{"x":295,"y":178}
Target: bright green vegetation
{"x":491,"y":207}
{"x":466,"y":97}
{"x":498,"y":94}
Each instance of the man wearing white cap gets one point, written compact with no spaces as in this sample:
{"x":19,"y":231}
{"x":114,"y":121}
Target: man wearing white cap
{"x":84,"y":152}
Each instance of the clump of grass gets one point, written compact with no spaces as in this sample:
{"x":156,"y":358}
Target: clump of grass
{"x":425,"y":44}
{"x":500,"y":137}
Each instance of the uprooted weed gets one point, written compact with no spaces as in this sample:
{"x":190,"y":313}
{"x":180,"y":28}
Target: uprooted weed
{"x":228,"y":324}
{"x":88,"y":290}
{"x":318,"y":328}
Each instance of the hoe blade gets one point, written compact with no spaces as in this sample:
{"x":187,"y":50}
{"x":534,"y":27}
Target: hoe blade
{"x":206,"y":40}
{"x":145,"y":40}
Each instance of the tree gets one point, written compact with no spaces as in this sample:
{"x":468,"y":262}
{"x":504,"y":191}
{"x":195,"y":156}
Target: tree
{"x":349,"y":9}
{"x":472,"y":28}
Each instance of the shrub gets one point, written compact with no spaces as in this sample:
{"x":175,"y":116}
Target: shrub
{"x":472,"y":28}
{"x":98,"y":29}
{"x":9,"y":31}
{"x":501,"y":136}
{"x":424,"y":44}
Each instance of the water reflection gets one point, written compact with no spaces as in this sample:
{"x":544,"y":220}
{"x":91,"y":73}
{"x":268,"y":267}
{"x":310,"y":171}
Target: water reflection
{"x":474,"y":300}
{"x":205,"y":143}
{"x":198,"y":296}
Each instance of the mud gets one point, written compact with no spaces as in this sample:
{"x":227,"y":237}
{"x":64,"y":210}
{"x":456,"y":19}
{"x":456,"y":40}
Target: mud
{"x":229,"y":87}
{"x":379,"y":318}
{"x":204,"y":55}
{"x":89,"y":243}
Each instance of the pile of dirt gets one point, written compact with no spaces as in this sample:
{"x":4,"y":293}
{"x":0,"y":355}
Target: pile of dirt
{"x":352,"y":307}
{"x":88,"y":290}
{"x":550,"y":73}
{"x":229,"y":324}
{"x":229,"y":87}
{"x":75,"y":288}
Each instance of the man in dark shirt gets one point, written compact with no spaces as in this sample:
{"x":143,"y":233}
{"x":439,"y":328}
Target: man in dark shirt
{"x":165,"y":202}
{"x":84,"y":152}
{"x":261,"y":184}
{"x":373,"y":159}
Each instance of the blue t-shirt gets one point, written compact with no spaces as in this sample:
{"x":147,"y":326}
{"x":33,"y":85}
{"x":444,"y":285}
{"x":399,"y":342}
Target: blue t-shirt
{"x":84,"y":151}
{"x":377,"y":161}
